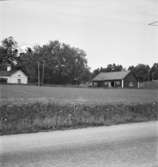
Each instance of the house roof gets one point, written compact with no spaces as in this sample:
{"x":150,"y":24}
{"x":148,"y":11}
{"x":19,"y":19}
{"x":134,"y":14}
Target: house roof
{"x":106,"y":76}
{"x":7,"y":73}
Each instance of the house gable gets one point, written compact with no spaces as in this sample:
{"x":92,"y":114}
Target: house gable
{"x":130,"y":81}
{"x":18,"y":73}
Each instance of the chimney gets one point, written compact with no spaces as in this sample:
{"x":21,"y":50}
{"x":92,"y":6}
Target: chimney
{"x":8,"y":68}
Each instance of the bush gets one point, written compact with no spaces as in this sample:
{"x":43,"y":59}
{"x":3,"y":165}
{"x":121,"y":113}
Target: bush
{"x":15,"y":118}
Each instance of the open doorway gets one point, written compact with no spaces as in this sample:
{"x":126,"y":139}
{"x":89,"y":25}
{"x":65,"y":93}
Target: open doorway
{"x":19,"y":81}
{"x":112,"y":84}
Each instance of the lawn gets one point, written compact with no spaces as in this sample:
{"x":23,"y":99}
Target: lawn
{"x":22,"y":93}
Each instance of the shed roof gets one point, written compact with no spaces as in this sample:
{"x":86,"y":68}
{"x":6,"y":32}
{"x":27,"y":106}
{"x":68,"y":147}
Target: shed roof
{"x":107,"y":76}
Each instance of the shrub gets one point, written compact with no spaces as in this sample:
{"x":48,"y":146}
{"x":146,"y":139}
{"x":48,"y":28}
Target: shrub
{"x":33,"y":117}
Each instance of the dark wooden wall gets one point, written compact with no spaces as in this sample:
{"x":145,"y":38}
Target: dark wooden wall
{"x":130,"y":81}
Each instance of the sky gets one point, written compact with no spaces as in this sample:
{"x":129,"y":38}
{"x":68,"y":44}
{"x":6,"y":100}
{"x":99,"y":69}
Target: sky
{"x":109,"y":31}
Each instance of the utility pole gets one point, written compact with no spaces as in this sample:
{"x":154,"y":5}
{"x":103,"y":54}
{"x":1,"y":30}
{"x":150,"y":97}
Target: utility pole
{"x":149,"y":74}
{"x":38,"y":74}
{"x":43,"y":73}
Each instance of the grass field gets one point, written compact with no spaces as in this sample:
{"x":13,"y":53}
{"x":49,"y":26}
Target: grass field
{"x":22,"y":93}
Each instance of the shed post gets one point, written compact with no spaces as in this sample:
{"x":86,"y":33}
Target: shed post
{"x":109,"y":84}
{"x":122,"y":83}
{"x":138,"y":85}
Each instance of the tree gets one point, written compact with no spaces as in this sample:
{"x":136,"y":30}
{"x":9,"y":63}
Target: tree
{"x":8,"y":53}
{"x":131,"y":68}
{"x":114,"y":67}
{"x":141,"y":71}
{"x":59,"y":62}
{"x":27,"y":62}
{"x":154,"y":71}
{"x":95,"y":72}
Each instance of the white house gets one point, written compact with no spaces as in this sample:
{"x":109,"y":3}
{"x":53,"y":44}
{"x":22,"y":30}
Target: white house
{"x":13,"y":77}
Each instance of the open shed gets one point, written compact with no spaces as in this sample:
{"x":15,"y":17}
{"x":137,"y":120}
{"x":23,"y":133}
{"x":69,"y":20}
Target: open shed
{"x":121,"y":79}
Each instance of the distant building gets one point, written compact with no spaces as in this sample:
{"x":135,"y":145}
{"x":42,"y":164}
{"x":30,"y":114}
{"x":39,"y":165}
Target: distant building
{"x":121,"y":79}
{"x":13,"y":77}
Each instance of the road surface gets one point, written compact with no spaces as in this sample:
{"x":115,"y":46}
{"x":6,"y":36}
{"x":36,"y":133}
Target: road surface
{"x":131,"y":145}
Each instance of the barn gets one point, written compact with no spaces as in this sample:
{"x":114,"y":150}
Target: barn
{"x":121,"y":79}
{"x":13,"y":77}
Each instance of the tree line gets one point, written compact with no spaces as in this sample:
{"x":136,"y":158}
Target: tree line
{"x":60,"y":63}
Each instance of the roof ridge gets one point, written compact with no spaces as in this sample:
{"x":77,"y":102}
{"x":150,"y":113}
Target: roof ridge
{"x":114,"y":71}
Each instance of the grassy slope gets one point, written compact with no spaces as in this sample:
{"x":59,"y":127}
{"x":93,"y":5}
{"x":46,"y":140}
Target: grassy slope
{"x":51,"y":116}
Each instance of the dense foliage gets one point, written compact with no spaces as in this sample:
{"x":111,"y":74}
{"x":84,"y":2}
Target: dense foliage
{"x":154,"y":71}
{"x":8,"y":52}
{"x":58,"y":63}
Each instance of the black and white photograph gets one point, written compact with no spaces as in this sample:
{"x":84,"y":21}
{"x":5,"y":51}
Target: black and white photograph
{"x":78,"y":83}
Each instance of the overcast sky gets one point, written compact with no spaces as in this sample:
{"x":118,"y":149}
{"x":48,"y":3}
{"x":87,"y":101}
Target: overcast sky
{"x":110,"y":31}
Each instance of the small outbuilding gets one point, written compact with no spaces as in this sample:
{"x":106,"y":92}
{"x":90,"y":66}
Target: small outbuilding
{"x":13,"y":77}
{"x":121,"y":79}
